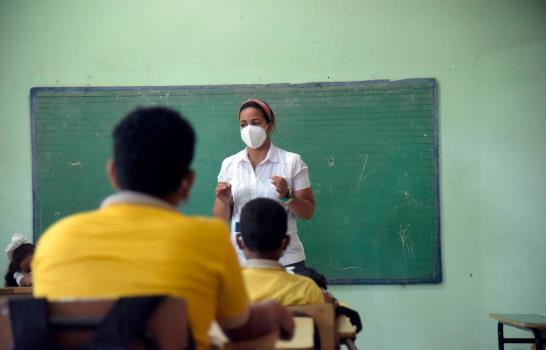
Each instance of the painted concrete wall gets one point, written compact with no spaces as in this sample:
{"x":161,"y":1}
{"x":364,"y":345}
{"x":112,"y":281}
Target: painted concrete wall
{"x":488,"y":56}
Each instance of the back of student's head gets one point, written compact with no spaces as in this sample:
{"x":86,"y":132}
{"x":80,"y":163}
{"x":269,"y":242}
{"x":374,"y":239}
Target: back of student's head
{"x":19,"y":254}
{"x":263,"y":225}
{"x":153,"y":149}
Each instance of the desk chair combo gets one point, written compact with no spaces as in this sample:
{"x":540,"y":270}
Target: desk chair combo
{"x":335,"y":327}
{"x":317,"y":328}
{"x":533,"y":323}
{"x":148,"y":323}
{"x":138,"y":323}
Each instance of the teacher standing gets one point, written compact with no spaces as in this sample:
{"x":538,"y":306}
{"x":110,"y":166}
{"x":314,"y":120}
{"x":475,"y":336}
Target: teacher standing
{"x":264,"y":170}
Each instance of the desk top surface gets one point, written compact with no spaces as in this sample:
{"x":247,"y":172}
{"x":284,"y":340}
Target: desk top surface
{"x":302,"y":340}
{"x":522,"y":320}
{"x":303,"y":336}
{"x":344,"y":327}
{"x":15,"y":290}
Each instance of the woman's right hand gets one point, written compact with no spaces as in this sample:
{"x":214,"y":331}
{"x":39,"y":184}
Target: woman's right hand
{"x":223,"y":193}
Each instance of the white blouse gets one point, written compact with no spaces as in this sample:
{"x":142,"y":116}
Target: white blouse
{"x":247,"y":184}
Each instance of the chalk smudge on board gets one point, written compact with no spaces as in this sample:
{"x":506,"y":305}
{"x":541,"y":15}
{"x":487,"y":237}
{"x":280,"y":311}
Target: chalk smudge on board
{"x":412,"y":200}
{"x":76,"y":163}
{"x":362,"y":177}
{"x":407,"y":244}
{"x":350,"y":268}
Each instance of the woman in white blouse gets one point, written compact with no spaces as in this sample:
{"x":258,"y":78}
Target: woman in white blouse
{"x":264,"y":170}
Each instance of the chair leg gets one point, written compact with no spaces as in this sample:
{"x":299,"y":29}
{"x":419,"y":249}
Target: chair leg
{"x":349,"y":343}
{"x":500,"y":336}
{"x":539,"y":342}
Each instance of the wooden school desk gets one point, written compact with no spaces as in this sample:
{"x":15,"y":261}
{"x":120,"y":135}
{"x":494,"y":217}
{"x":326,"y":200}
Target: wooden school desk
{"x":530,"y":322}
{"x":15,"y":290}
{"x":302,"y":340}
{"x":346,"y":332}
{"x":303,"y":337}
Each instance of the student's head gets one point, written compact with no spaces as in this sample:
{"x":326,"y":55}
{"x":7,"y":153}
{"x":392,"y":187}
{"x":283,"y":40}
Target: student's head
{"x":153,"y":150}
{"x":257,"y":113}
{"x":263,"y":225}
{"x":21,"y":258}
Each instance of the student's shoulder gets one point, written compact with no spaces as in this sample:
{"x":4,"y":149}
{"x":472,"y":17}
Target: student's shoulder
{"x":67,"y":227}
{"x":303,"y":281}
{"x":208,"y":231}
{"x":208,"y":225}
{"x":73,"y":221}
{"x":310,"y":291}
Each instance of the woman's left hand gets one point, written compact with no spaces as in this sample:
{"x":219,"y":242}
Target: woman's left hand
{"x":302,"y":204}
{"x":280,"y":185}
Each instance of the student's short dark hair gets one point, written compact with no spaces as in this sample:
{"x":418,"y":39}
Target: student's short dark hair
{"x":153,"y":149}
{"x":263,"y":225}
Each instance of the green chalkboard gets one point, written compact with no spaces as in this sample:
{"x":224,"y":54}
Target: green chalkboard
{"x":371,"y":147}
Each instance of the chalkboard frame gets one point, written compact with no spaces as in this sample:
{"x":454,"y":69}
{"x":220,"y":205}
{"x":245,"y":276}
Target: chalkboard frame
{"x":436,"y":278}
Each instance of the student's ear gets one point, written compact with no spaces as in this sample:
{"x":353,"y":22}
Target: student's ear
{"x":186,"y":184}
{"x":111,"y":171}
{"x":285,"y":242}
{"x":239,"y":240}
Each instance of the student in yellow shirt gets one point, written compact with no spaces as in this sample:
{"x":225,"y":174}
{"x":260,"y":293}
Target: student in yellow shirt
{"x":138,"y":244}
{"x":263,"y":240}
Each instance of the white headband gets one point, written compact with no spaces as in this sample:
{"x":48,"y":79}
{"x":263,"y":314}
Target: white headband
{"x":17,"y":240}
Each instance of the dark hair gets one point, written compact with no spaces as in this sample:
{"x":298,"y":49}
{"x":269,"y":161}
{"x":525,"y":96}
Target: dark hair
{"x":153,"y":149}
{"x":18,"y":255}
{"x":252,"y":104}
{"x":263,"y":225}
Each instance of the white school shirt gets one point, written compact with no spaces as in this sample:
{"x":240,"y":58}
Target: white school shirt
{"x":18,"y":276}
{"x":247,"y":184}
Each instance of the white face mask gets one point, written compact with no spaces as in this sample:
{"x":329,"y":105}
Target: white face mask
{"x":253,"y":136}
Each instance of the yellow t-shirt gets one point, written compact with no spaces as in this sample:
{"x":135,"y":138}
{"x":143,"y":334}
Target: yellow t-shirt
{"x":267,"y":280}
{"x":132,"y":249}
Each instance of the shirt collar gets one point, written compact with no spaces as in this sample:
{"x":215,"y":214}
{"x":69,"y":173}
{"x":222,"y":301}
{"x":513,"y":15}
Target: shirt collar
{"x":132,"y":197}
{"x":271,"y":155}
{"x":262,"y":264}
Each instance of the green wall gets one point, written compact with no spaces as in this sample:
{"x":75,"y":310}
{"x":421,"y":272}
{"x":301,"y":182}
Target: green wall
{"x":488,"y":56}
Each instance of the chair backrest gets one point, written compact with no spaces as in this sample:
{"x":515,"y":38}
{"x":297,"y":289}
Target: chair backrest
{"x":324,"y":317}
{"x":73,"y":324}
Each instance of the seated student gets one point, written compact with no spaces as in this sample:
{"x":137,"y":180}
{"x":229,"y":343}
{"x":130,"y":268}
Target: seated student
{"x":263,"y":240}
{"x":19,"y":253}
{"x":137,"y":243}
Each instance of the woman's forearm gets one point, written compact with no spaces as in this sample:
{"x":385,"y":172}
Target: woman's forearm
{"x":221,"y":210}
{"x":302,"y":204}
{"x":301,"y":208}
